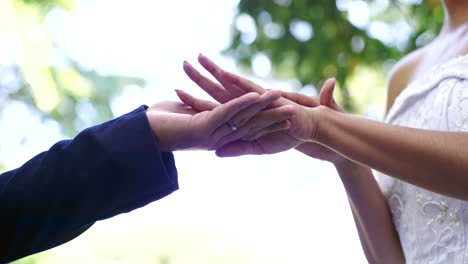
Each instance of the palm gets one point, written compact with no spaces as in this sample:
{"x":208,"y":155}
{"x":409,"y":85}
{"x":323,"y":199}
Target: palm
{"x":276,"y":142}
{"x":268,"y":144}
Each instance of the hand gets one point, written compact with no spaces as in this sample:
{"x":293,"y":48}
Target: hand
{"x":313,"y":149}
{"x":251,"y":143}
{"x":233,"y":86}
{"x":177,"y":126}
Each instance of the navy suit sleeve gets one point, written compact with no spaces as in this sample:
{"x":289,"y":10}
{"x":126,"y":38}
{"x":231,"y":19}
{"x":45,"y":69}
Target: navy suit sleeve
{"x":106,"y":170}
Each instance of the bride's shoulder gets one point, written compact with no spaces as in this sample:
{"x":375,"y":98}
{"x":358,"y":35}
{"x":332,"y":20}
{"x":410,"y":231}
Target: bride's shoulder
{"x":402,"y":74}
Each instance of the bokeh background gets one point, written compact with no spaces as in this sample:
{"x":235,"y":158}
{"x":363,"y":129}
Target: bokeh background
{"x":69,"y":64}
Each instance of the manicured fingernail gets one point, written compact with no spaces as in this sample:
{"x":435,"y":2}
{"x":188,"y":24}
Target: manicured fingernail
{"x":189,"y":69}
{"x":209,"y":65}
{"x":203,"y":57}
{"x":178,"y":91}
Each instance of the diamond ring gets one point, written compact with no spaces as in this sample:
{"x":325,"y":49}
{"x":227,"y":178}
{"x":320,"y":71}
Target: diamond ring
{"x":231,"y":125}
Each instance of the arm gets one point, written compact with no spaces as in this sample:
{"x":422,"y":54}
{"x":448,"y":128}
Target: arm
{"x":106,"y":170}
{"x":370,"y":211}
{"x":113,"y":168}
{"x":373,"y":219}
{"x":371,"y":214}
{"x":433,"y":160}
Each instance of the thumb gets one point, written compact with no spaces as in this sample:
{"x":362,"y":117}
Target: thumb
{"x":326,"y":95}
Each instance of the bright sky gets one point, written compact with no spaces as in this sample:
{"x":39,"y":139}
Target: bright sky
{"x":284,"y":208}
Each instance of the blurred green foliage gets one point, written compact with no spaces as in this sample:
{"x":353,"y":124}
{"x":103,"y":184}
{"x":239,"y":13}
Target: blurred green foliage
{"x":45,"y":6}
{"x":55,"y":92}
{"x":336,"y":46}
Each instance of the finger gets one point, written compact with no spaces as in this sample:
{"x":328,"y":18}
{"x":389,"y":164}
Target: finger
{"x":239,"y":148}
{"x":235,"y":84}
{"x":249,"y":86}
{"x":326,"y":95}
{"x":284,"y":125}
{"x":222,"y":113}
{"x":213,"y":89}
{"x":244,"y":84}
{"x":280,"y":126}
{"x":264,"y":119}
{"x":265,"y":99}
{"x":301,"y":99}
{"x":196,"y":103}
{"x":215,"y":70}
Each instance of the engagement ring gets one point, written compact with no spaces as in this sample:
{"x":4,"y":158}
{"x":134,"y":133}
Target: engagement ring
{"x":231,"y":125}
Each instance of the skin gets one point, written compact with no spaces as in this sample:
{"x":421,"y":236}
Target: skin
{"x":354,"y":144}
{"x":178,"y":127}
{"x":296,"y":135}
{"x":362,"y":189}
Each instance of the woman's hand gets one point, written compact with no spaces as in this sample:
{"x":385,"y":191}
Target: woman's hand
{"x":303,"y":124}
{"x":313,"y":149}
{"x":178,"y":126}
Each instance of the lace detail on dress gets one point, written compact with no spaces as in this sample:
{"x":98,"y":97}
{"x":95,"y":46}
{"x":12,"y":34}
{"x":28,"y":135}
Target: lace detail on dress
{"x":459,"y":108}
{"x":433,"y":228}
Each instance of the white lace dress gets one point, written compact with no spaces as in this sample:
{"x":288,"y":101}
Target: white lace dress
{"x":433,"y":228}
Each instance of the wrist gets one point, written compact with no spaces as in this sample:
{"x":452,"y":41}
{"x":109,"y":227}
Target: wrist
{"x":166,"y":134}
{"x":317,"y":119}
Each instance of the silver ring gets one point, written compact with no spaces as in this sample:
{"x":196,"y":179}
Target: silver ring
{"x":231,"y":125}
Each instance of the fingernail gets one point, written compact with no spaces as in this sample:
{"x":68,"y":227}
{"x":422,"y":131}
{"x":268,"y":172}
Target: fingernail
{"x":286,"y":124}
{"x":178,"y":91}
{"x":201,"y":56}
{"x":189,"y":69}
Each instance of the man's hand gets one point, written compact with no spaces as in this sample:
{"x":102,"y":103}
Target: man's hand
{"x":178,"y":126}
